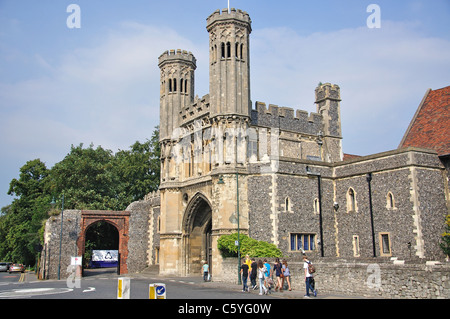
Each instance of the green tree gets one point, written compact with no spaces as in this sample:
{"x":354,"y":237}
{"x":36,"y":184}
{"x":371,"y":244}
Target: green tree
{"x":21,"y":221}
{"x":138,"y":169}
{"x":86,"y":177}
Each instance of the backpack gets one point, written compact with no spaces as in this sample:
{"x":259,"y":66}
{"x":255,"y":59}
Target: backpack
{"x":311,"y":268}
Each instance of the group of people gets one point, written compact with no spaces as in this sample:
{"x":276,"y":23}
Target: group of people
{"x":262,"y":270}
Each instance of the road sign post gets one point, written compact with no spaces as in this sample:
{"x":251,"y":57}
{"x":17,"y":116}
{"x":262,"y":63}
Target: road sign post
{"x":157,"y":291}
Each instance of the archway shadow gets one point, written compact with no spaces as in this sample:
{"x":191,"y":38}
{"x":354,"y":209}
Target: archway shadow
{"x":94,"y":272}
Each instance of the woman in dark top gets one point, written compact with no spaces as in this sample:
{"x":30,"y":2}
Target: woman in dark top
{"x":277,"y":268}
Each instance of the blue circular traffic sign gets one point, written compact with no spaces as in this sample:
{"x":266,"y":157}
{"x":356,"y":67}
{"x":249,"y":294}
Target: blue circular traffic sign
{"x":160,"y":290}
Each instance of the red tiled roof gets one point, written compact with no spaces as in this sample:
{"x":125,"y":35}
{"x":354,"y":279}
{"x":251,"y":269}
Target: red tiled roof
{"x":350,"y":156}
{"x":430,"y":126}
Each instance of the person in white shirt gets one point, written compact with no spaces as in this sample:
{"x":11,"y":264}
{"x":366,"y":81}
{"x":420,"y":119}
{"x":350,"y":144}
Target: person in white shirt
{"x":308,"y":278}
{"x":205,"y":269}
{"x":261,"y":272}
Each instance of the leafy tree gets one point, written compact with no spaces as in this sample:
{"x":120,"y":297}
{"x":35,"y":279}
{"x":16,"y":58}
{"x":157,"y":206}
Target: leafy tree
{"x":97,"y":179}
{"x":21,"y":221}
{"x":249,"y":246}
{"x":85,"y":176}
{"x":138,"y":169}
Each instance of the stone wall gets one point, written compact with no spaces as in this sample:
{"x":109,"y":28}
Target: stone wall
{"x":408,"y":205}
{"x":138,"y":239}
{"x":50,"y":253}
{"x":370,"y":278}
{"x":133,"y":231}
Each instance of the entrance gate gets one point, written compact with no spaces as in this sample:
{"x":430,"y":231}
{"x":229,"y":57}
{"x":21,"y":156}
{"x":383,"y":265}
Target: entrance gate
{"x":119,"y":219}
{"x":197,"y":230}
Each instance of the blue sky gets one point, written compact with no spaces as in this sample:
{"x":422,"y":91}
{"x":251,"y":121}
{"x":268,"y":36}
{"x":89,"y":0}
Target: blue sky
{"x":100,"y":83}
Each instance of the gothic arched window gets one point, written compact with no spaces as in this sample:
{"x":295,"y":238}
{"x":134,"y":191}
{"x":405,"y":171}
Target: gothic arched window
{"x":351,"y":200}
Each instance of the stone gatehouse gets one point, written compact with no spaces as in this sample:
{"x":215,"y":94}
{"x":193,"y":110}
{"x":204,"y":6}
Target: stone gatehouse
{"x":275,"y":173}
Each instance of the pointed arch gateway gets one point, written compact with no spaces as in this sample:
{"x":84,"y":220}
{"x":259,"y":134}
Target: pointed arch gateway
{"x":197,"y":230}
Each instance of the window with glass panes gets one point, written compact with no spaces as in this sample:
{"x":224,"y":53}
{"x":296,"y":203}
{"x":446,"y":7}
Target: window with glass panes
{"x":301,"y":242}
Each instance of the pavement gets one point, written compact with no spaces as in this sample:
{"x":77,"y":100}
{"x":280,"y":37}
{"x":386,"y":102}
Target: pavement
{"x":154,"y":275}
{"x":285,"y":294}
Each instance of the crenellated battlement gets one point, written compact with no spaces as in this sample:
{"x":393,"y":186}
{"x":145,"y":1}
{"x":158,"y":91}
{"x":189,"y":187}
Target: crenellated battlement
{"x":225,"y":16}
{"x":176,"y":56}
{"x":195,"y":110}
{"x":328,"y":91}
{"x":284,"y":118}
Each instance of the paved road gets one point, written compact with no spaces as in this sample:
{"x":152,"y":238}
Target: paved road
{"x":102,"y":284}
{"x":14,"y":277}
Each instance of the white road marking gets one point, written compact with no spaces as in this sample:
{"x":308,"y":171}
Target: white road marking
{"x":21,"y":293}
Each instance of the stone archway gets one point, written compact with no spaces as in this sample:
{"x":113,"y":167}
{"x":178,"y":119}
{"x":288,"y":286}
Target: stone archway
{"x":119,"y":219}
{"x":197,"y":231}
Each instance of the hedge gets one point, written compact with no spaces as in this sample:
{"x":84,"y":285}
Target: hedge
{"x":249,"y":246}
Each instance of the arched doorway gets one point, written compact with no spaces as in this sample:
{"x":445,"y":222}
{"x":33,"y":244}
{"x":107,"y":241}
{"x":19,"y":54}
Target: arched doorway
{"x":101,"y":248}
{"x":119,"y":220}
{"x":197,"y":230}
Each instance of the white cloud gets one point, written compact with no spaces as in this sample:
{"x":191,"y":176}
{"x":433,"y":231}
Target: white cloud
{"x":106,"y":94}
{"x":383,"y":75}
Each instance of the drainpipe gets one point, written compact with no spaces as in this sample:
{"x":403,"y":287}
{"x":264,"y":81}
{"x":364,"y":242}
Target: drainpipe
{"x":319,"y":178}
{"x":369,"y":179}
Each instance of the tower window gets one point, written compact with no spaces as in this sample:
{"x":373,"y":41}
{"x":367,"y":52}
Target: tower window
{"x":174,"y":85}
{"x":236,"y":50}
{"x":170,"y":85}
{"x":356,"y":246}
{"x":287,"y":204}
{"x":351,"y":200}
{"x":228,"y":49}
{"x":181,"y":85}
{"x":316,"y":206}
{"x":390,"y":203}
{"x":242,"y":49}
{"x":185,"y":86}
{"x":222,"y":47}
{"x":385,"y":244}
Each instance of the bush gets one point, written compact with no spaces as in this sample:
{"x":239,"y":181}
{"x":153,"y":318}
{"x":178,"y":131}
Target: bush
{"x":445,"y":243}
{"x":249,"y":246}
